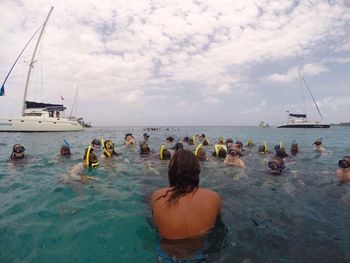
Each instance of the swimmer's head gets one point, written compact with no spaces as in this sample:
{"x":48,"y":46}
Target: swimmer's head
{"x":221,"y":140}
{"x":65,"y":151}
{"x":144,"y":148}
{"x":202,"y":136}
{"x":294,"y":149}
{"x":318,"y":142}
{"x":276,"y":165}
{"x":250,"y":143}
{"x":345,"y":162}
{"x":166,"y":154}
{"x":145,"y":136}
{"x":222,"y":153}
{"x":186,"y":139}
{"x":239,"y":144}
{"x":17,"y":151}
{"x":90,"y":159}
{"x":229,"y":142}
{"x":96,"y":143}
{"x":201,"y":154}
{"x":108,"y":148}
{"x":191,"y":141}
{"x":205,"y":142}
{"x":128,"y":137}
{"x":281,"y":152}
{"x":262,"y":149}
{"x":170,"y":139}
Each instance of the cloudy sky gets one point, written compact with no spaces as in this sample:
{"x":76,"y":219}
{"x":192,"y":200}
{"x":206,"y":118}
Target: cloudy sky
{"x":184,"y":62}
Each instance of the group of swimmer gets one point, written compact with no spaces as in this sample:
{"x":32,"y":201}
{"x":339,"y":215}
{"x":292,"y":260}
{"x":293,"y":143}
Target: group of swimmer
{"x":228,"y":150}
{"x":178,"y":210}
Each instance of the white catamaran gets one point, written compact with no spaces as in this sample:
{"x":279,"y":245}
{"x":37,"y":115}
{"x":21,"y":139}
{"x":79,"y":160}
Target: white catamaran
{"x":37,"y":117}
{"x":300,"y":120}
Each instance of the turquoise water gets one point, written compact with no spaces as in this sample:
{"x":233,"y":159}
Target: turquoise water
{"x":301,"y":216}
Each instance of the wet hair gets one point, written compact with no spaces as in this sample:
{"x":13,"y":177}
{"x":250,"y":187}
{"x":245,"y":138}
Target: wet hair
{"x":96,"y":142}
{"x":166,"y":154}
{"x":128,"y":134}
{"x":186,"y":139}
{"x":222,"y":153}
{"x":318,"y":142}
{"x":144,"y":148}
{"x":64,"y":151}
{"x":190,"y":141}
{"x":183,"y":175}
{"x":205,"y":142}
{"x":170,"y":139}
{"x":276,"y":165}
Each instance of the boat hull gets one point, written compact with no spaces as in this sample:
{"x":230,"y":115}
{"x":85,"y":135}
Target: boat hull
{"x":38,"y":124}
{"x":304,"y":125}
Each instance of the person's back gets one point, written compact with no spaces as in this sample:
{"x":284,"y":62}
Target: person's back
{"x":180,"y":211}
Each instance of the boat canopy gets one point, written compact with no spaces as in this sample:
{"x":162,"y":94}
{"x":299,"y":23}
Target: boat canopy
{"x":48,"y":106}
{"x":297,"y":115}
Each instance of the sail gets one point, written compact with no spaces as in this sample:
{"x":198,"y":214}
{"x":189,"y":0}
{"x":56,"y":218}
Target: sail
{"x":297,"y":115}
{"x":38,"y":105}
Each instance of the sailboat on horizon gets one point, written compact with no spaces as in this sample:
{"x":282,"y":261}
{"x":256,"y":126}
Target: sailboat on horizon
{"x":300,"y":120}
{"x":36,"y":116}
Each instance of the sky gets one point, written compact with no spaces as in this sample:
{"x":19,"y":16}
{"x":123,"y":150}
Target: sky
{"x":183,"y":62}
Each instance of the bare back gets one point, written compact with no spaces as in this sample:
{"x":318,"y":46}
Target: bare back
{"x":193,"y":215}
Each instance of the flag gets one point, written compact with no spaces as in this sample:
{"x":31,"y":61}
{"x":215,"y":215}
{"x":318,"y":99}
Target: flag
{"x":2,"y":90}
{"x":62,"y":98}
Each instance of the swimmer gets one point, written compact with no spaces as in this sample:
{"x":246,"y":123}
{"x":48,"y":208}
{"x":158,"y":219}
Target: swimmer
{"x":250,"y":143}
{"x":178,"y":210}
{"x":220,"y":151}
{"x":144,"y":149}
{"x":191,"y":141}
{"x":294,"y":149}
{"x":65,"y":151}
{"x":164,"y":153}
{"x":89,"y":160}
{"x":343,"y":172}
{"x":145,"y":137}
{"x":221,"y":140}
{"x":201,"y":137}
{"x":129,"y":139}
{"x":108,"y":149}
{"x":200,"y":153}
{"x":17,"y":152}
{"x":229,"y":143}
{"x":263,"y":148}
{"x":276,"y":165}
{"x":169,"y":139}
{"x":96,"y":144}
{"x":318,"y":145}
{"x":281,"y":151}
{"x":205,"y":142}
{"x":234,"y":158}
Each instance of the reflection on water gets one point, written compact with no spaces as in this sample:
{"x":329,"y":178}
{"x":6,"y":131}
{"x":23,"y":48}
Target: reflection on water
{"x":300,"y":216}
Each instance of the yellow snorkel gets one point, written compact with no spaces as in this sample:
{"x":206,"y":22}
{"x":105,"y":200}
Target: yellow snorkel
{"x":218,"y":147}
{"x":197,"y":149}
{"x":266,"y":148}
{"x":88,"y":156}
{"x":194,"y":139}
{"x":104,"y":148}
{"x":87,"y":160}
{"x":162,"y":148}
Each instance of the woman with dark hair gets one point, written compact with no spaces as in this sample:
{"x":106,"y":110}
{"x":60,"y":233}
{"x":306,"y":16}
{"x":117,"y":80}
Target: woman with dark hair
{"x":183,"y":209}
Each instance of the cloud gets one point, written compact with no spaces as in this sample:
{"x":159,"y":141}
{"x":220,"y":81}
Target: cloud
{"x":292,"y":73}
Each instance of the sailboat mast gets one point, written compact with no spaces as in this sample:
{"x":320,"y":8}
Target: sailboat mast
{"x":302,"y":91}
{"x":32,"y":61}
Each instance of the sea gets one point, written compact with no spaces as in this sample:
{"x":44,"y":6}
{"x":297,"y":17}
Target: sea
{"x":48,"y":216}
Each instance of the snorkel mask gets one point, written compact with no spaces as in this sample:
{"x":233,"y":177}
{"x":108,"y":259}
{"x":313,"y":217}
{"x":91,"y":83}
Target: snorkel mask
{"x":344,"y":163}
{"x":107,"y":145}
{"x":17,"y":152}
{"x":275,"y":167}
{"x":89,"y":163}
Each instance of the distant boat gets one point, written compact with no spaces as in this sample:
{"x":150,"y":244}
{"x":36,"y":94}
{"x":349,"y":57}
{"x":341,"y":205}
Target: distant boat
{"x":263,"y":125}
{"x":300,"y":120}
{"x":37,"y":117}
